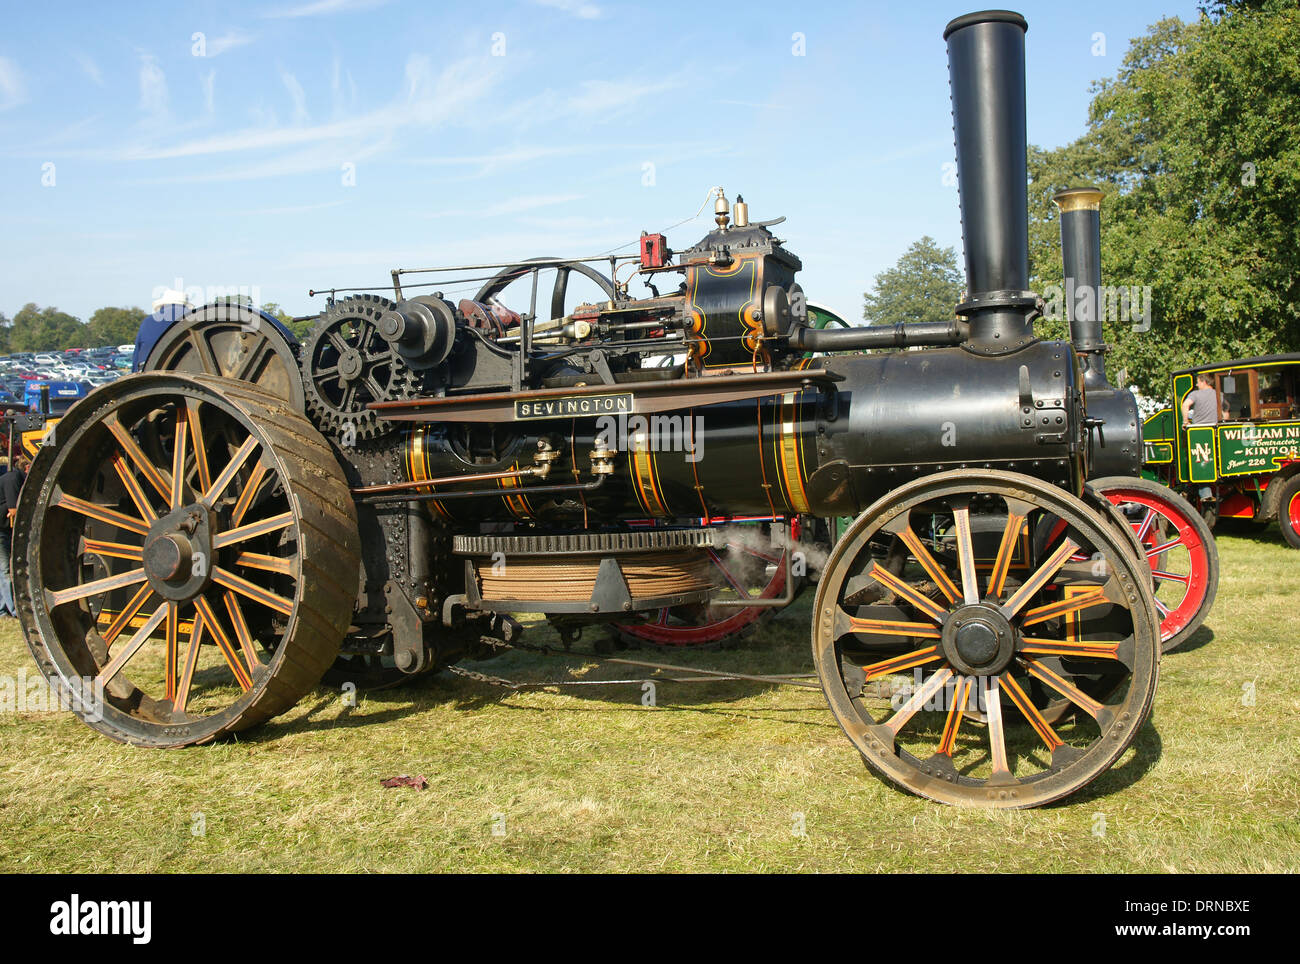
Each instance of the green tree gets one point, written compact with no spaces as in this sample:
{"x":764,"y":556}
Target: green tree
{"x":114,"y":326}
{"x":5,"y":331}
{"x":1196,"y":143}
{"x":45,"y":329}
{"x":924,"y":285}
{"x":299,"y":328}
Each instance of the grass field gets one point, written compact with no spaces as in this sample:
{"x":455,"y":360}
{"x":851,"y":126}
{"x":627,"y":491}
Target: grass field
{"x":712,"y":779}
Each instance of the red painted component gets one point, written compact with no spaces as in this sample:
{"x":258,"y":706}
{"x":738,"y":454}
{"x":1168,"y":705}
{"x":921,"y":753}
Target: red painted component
{"x":1197,"y":581}
{"x":1237,"y":506}
{"x":654,"y":250}
{"x":1292,"y":510}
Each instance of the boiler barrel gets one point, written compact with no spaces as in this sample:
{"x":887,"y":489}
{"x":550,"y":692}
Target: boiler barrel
{"x":892,"y":417}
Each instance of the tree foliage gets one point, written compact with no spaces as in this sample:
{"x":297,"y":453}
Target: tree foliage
{"x":114,"y":326}
{"x":924,"y":285}
{"x":1196,"y":144}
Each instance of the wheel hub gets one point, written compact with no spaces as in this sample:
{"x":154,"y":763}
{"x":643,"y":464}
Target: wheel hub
{"x":350,"y":365}
{"x":978,"y":640}
{"x":177,"y":553}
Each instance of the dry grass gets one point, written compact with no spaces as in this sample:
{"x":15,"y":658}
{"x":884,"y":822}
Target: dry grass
{"x":710,"y":780}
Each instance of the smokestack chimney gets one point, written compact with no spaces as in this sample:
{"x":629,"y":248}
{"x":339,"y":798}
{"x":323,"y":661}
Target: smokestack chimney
{"x":986,"y":70}
{"x":1081,"y":256}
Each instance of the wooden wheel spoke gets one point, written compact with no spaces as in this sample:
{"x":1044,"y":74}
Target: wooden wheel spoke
{"x":241,"y":630}
{"x":200,"y":446}
{"x":1002,"y":564}
{"x":241,"y":533}
{"x":123,"y":619}
{"x":1031,"y":713}
{"x":73,"y":593}
{"x":930,"y":564}
{"x":1161,"y":576}
{"x":133,"y":489}
{"x":900,"y":588}
{"x":117,"y":550}
{"x":924,"y":693}
{"x":177,"y":498}
{"x":155,"y":476}
{"x":191,"y":662}
{"x":1041,"y":671}
{"x":101,"y":513}
{"x":953,"y":723}
{"x":173,"y":630}
{"x":224,"y":644}
{"x":896,"y":664}
{"x":1084,"y":600}
{"x":257,"y":560}
{"x":1034,"y":583}
{"x":226,"y":578}
{"x":114,"y":665}
{"x":249,"y":494}
{"x":890,"y":627}
{"x":228,"y":473}
{"x":966,"y":557}
{"x":997,"y":737}
{"x":1056,"y":647}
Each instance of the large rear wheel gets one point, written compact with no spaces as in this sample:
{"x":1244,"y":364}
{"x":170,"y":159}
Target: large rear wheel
{"x":185,"y":560}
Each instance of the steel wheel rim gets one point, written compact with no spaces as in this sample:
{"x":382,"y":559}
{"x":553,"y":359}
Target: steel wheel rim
{"x":1009,"y":777}
{"x":160,"y":675}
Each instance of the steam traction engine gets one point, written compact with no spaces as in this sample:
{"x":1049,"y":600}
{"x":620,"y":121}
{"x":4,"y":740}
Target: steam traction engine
{"x":203,"y":540}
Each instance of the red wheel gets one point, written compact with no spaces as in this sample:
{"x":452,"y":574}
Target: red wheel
{"x":1180,"y":548}
{"x":1288,"y":511}
{"x":750,"y":566}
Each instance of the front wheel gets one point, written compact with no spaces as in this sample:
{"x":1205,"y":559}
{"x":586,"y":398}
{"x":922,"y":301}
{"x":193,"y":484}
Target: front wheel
{"x":946,"y":672}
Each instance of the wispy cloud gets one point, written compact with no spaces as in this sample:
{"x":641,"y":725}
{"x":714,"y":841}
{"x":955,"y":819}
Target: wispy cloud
{"x":578,"y":8}
{"x":610,"y":96}
{"x":296,"y":95}
{"x":209,"y":84}
{"x":429,"y":98}
{"x":279,"y":211}
{"x":321,"y":7}
{"x":227,"y":41}
{"x":13,"y":91}
{"x":510,"y":206}
{"x":89,"y":68}
{"x":153,"y":86}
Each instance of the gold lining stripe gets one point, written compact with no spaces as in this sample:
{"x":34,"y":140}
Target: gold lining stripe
{"x":790,"y":453}
{"x":418,"y":469}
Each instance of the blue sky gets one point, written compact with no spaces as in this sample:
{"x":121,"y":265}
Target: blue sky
{"x":483,"y":131}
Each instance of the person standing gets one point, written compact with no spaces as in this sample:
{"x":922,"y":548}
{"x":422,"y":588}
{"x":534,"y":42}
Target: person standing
{"x":1201,"y":405}
{"x":11,"y":485}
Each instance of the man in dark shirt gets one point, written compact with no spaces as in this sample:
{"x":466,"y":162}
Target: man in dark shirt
{"x":11,"y":484}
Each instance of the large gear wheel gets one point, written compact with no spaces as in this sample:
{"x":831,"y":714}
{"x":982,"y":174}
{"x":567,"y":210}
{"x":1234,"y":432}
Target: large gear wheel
{"x":347,"y":365}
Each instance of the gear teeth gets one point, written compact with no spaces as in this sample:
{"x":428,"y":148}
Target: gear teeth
{"x":398,"y":381}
